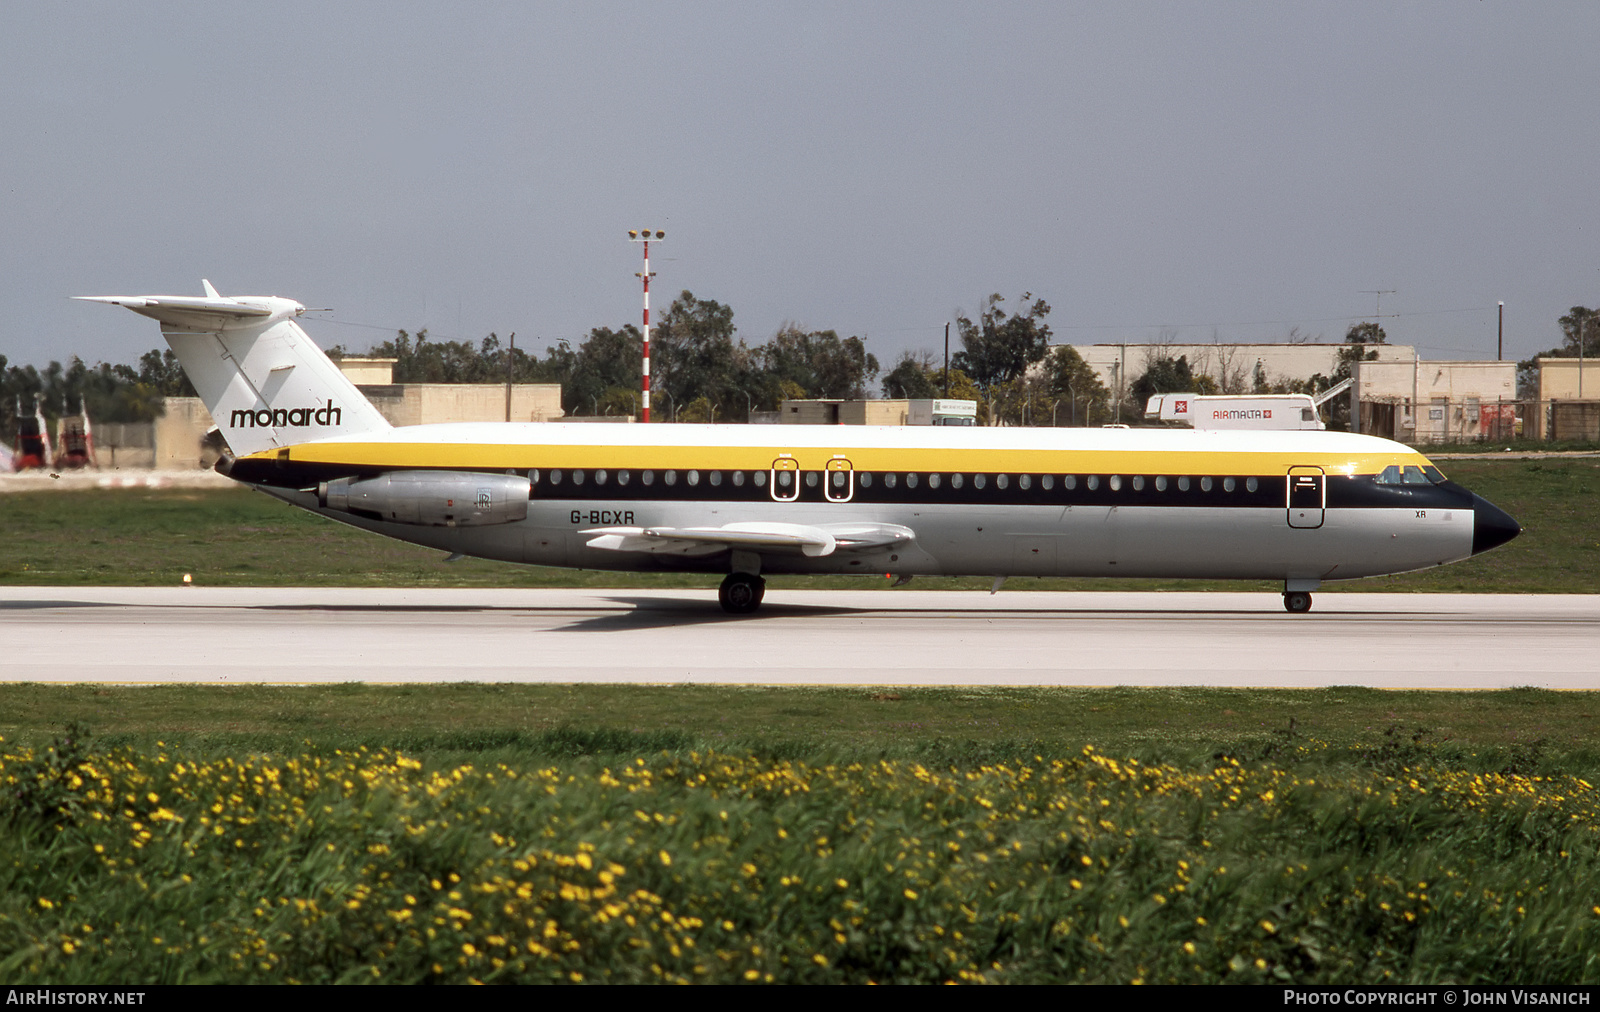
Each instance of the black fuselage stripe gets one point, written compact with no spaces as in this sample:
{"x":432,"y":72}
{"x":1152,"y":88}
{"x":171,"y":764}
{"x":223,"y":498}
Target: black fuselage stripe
{"x":1271,"y":491}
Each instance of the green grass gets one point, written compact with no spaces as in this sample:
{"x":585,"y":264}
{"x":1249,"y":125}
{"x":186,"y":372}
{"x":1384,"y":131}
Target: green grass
{"x":141,"y":537}
{"x":1319,"y":863}
{"x":516,"y":721}
{"x":614,"y":833}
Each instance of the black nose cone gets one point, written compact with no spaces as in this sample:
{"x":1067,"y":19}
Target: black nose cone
{"x":1491,"y":525}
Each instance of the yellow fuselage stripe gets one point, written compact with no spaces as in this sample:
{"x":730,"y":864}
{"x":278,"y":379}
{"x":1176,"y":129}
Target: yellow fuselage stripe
{"x":523,"y":457}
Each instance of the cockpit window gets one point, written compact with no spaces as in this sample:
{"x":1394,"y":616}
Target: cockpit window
{"x":1409,"y":474}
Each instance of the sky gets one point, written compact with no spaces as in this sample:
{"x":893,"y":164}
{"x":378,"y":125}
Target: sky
{"x":1154,"y":171}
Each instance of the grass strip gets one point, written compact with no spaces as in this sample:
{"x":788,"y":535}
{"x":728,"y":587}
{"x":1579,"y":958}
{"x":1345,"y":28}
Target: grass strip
{"x":233,"y":537}
{"x":1319,"y":865}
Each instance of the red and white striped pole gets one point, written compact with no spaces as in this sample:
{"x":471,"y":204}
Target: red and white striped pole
{"x":643,"y":235}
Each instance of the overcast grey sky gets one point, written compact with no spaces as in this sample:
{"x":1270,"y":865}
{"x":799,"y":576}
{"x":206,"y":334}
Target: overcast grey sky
{"x":1195,"y":167}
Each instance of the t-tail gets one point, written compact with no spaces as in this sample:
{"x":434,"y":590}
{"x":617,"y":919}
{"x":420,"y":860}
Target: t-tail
{"x":265,"y":382}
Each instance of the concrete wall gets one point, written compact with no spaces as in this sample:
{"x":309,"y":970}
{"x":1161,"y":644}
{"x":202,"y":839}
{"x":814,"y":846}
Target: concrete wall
{"x":427,"y":403}
{"x":1558,"y":379}
{"x":125,"y":444}
{"x":1432,"y":401}
{"x":178,"y":434}
{"x":841,"y":412}
{"x":1575,"y":419}
{"x":887,"y":412}
{"x":378,"y":371}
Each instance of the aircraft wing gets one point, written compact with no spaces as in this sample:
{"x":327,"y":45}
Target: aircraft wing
{"x":759,"y":537}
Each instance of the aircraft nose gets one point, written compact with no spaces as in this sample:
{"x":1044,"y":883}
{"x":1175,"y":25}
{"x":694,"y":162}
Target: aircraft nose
{"x":1491,"y":525}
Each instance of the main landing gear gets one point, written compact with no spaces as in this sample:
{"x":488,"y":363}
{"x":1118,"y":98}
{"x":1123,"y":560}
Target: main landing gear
{"x":741,"y":593}
{"x":1296,"y":602}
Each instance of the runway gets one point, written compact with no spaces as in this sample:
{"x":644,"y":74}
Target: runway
{"x":899,"y":637}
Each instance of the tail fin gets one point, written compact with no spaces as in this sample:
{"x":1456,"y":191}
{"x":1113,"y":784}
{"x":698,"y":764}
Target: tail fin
{"x":265,"y":382}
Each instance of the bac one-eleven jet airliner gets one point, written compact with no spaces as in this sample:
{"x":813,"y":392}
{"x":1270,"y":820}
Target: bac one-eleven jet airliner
{"x":1301,"y":507}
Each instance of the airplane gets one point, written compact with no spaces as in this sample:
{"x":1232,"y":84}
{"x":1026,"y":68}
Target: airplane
{"x":1301,"y":507}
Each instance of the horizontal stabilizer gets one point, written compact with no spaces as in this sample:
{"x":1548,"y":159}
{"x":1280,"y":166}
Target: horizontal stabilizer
{"x":179,"y":309}
{"x":265,"y":382}
{"x":813,"y":542}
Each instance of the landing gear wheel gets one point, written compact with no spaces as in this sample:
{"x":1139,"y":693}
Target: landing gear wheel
{"x":741,"y":593}
{"x":1297,"y":602}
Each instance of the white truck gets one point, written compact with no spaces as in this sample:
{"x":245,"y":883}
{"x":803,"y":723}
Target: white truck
{"x":1242,"y":411}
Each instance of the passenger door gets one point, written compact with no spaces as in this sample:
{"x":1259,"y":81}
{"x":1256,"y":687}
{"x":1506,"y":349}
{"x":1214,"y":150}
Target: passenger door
{"x":841,"y":480}
{"x":1307,"y":497}
{"x":785,"y":479}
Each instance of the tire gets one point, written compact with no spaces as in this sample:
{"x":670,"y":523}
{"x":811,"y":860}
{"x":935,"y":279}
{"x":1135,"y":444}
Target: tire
{"x":741,"y":593}
{"x":1297,"y":602}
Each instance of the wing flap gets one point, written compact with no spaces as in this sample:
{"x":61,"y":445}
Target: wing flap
{"x":813,"y":542}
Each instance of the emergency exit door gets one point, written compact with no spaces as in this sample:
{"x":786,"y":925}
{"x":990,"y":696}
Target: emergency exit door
{"x":1307,"y":497}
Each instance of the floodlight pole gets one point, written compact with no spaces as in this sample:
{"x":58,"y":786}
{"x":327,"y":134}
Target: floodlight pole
{"x":644,"y":235}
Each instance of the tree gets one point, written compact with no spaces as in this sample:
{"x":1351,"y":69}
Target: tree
{"x":818,"y":362}
{"x":607,"y":360}
{"x":912,"y":378}
{"x":1068,"y":375}
{"x":1580,"y":333}
{"x":692,"y":352}
{"x":998,"y":348}
{"x":1365,"y":333}
{"x":1164,"y":374}
{"x":1580,"y":338}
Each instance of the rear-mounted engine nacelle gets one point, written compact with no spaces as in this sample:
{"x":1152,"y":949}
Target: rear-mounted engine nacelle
{"x":431,"y":498}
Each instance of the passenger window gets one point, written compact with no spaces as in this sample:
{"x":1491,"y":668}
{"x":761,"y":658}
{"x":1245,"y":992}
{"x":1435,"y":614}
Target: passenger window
{"x":1250,"y":484}
{"x":1161,"y":483}
{"x":600,"y":477}
{"x":738,"y":479}
{"x":577,"y":477}
{"x":889,"y":479}
{"x":555,"y":477}
{"x":1025,"y":482}
{"x":761,"y":479}
{"x":622,"y":477}
{"x":671,"y":477}
{"x":716,"y":478}
{"x":694,"y":478}
{"x":1002,"y":481}
{"x":1138,"y":483}
{"x":1116,"y":483}
{"x":980,"y":480}
{"x":933,"y":481}
{"x":1048,"y":482}
{"x":865,"y":479}
{"x":533,"y":476}
{"x":1069,"y":482}
{"x":1093,"y":482}
{"x":911,"y":480}
{"x":1228,"y":484}
{"x":648,"y":477}
{"x":956,"y":481}
{"x":1205,"y":484}
{"x":811,"y":479}
{"x":1183,"y":484}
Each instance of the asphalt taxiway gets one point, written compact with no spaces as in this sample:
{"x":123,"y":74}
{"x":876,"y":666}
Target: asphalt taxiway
{"x":888,"y":637}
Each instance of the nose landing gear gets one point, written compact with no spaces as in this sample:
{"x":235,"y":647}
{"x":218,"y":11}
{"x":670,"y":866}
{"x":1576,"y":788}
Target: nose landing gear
{"x":741,"y":593}
{"x":1297,"y":602}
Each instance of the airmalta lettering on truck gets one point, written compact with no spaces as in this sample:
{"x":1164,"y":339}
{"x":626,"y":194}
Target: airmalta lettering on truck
{"x":1241,"y":414}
